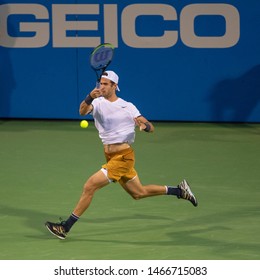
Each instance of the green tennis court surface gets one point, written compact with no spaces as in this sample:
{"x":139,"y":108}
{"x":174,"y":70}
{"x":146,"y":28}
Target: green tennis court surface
{"x":44,"y":164}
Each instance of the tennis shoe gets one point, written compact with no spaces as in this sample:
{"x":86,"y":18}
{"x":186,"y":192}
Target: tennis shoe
{"x":57,"y":229}
{"x":186,"y":193}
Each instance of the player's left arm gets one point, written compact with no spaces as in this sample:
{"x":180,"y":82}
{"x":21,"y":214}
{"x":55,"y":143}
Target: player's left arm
{"x":144,"y":124}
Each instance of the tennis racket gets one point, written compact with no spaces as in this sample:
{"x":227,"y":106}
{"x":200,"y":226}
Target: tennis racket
{"x":100,"y":58}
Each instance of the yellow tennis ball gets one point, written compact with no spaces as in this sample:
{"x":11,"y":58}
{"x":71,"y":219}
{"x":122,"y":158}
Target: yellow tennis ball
{"x":84,"y":124}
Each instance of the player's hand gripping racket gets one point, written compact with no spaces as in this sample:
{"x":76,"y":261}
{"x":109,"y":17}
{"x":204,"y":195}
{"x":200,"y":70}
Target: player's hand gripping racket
{"x":100,"y":58}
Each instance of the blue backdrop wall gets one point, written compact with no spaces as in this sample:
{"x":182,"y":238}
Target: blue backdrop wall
{"x":177,"y":60}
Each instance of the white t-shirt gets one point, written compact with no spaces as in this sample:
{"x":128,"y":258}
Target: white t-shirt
{"x":115,"y":120}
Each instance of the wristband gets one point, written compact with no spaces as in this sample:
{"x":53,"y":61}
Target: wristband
{"x":88,"y":100}
{"x":148,"y":127}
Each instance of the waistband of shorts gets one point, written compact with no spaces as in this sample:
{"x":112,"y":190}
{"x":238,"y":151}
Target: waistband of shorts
{"x":122,"y":152}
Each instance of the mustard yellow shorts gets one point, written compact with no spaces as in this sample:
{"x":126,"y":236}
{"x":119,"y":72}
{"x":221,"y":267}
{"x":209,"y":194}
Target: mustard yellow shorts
{"x":120,"y":165}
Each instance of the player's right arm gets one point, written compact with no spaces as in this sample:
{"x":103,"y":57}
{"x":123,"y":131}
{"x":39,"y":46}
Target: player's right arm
{"x":85,"y":106}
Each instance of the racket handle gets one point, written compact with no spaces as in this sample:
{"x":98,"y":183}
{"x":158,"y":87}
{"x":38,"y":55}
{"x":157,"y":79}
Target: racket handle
{"x":97,"y":84}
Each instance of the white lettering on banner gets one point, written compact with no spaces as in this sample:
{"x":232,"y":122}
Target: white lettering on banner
{"x":40,"y":30}
{"x":60,"y":25}
{"x":231,"y":16}
{"x":129,"y":15}
{"x":111,"y":24}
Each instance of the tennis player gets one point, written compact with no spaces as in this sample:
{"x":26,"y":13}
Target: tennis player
{"x":115,"y":120}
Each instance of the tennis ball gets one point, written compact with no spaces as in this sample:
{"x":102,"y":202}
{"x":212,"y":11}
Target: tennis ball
{"x":84,"y":124}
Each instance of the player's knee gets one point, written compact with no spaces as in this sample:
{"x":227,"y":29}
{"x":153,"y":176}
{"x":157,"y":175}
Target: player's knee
{"x":86,"y":188}
{"x":138,"y":196}
{"x":135,"y":196}
{"x":89,"y":187}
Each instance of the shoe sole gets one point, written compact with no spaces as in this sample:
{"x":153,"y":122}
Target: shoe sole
{"x":60,"y":237}
{"x":195,"y":204}
{"x":196,"y":201}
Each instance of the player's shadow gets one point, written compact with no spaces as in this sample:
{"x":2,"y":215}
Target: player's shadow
{"x":32,"y":218}
{"x":186,"y":232}
{"x":191,"y":232}
{"x":35,"y":220}
{"x":235,"y":99}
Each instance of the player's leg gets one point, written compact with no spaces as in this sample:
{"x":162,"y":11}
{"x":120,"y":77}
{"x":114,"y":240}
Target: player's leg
{"x":138,"y":191}
{"x":135,"y":188}
{"x":94,"y":183}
